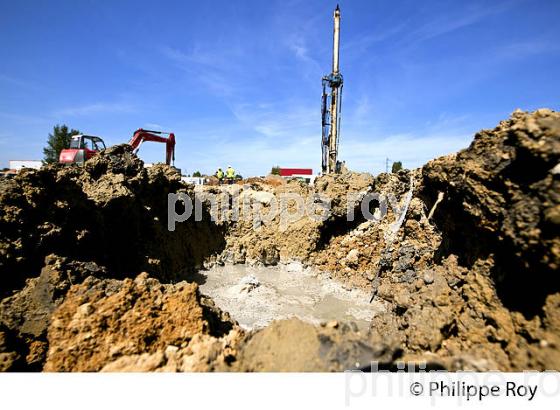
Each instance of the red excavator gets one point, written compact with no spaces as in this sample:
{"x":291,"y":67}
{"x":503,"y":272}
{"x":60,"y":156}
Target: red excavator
{"x":83,"y":147}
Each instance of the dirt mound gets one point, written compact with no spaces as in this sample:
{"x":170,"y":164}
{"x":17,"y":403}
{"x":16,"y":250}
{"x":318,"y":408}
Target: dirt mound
{"x":331,"y":347}
{"x":358,"y":252}
{"x":103,"y":213}
{"x":475,"y":286}
{"x":501,"y":200}
{"x":106,"y":219}
{"x":278,"y":229}
{"x":10,"y":351}
{"x":27,"y":314}
{"x":116,"y":325}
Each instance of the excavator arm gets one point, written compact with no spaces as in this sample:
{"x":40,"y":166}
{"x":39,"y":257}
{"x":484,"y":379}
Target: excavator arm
{"x":141,"y":135}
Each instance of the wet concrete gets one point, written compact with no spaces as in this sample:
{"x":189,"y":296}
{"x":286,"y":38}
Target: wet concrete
{"x":255,"y":296}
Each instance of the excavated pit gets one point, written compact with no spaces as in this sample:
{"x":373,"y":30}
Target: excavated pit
{"x":255,"y":296}
{"x":461,"y":268}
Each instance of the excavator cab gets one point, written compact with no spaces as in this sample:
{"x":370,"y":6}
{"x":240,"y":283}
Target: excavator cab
{"x":82,"y":148}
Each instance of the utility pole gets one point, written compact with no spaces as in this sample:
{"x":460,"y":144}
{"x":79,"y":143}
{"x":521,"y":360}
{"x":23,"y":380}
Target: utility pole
{"x":331,"y":105}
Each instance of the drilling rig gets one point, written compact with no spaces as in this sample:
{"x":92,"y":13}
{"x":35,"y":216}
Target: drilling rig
{"x":330,"y":106}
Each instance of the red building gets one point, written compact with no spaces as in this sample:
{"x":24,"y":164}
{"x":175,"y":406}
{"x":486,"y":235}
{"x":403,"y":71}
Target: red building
{"x":305,"y":174}
{"x":296,"y":172}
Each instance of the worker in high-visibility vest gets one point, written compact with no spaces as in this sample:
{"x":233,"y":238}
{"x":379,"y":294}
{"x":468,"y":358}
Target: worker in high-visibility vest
{"x":230,"y":174}
{"x":220,"y":175}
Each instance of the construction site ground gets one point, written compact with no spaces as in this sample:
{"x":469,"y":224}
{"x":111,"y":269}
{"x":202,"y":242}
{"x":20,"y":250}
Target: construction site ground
{"x":461,"y":269}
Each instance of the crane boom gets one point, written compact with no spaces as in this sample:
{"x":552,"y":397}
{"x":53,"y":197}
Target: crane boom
{"x":141,"y":135}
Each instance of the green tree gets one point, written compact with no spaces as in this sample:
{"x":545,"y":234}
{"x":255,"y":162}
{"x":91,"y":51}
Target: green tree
{"x":275,"y":170}
{"x":397,"y":166}
{"x":57,"y":141}
{"x":196,"y":174}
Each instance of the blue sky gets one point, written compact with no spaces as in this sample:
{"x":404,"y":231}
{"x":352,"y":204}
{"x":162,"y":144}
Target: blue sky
{"x":239,"y":82}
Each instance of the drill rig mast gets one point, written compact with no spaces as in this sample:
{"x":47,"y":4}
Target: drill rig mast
{"x":331,"y":105}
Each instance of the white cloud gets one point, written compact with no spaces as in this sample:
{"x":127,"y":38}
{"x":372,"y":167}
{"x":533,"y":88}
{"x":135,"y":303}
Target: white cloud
{"x":365,"y":147}
{"x":216,"y":69}
{"x":25,"y":119}
{"x":412,"y":150}
{"x":298,"y":46}
{"x":18,"y":82}
{"x":284,"y":121}
{"x":358,"y":45}
{"x":262,"y":136}
{"x":95,"y":108}
{"x":526,"y":49}
{"x":152,"y":126}
{"x":211,"y":55}
{"x":257,"y":156}
{"x":446,"y":23}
